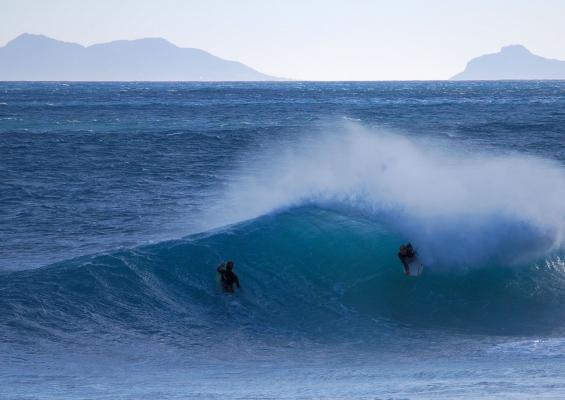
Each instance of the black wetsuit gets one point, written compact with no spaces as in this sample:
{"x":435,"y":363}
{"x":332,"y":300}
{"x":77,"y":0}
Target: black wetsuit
{"x":229,"y":278}
{"x":406,"y":256}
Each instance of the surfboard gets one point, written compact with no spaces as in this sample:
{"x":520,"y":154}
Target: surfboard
{"x":415,"y":267}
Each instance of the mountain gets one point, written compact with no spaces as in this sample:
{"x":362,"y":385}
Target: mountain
{"x":512,"y":62}
{"x":39,"y":58}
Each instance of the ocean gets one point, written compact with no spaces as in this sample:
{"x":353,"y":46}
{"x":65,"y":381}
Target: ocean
{"x":119,"y":200}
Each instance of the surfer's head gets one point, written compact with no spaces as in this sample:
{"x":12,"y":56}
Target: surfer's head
{"x":229,"y":265}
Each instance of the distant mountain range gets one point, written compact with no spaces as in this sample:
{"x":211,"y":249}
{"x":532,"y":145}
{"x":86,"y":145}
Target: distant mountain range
{"x":39,"y":58}
{"x":512,"y":62}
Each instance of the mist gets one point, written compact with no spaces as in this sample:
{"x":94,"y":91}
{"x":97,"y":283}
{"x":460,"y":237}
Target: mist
{"x":457,"y":207}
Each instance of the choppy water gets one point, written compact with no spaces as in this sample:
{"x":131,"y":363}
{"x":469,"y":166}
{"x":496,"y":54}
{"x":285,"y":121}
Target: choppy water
{"x":119,"y":200}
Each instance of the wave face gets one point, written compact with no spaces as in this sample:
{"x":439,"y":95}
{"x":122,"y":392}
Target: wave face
{"x":306,"y":272}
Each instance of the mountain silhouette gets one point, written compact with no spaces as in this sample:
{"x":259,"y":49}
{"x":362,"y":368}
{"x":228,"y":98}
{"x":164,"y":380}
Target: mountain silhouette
{"x":40,"y":58}
{"x":512,"y":62}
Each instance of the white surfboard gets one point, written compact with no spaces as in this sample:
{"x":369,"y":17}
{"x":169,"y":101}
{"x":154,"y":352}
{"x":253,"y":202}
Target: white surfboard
{"x":415,"y":267}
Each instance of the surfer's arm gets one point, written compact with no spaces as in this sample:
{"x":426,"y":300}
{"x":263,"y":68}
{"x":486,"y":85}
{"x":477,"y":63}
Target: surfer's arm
{"x":236,"y":280}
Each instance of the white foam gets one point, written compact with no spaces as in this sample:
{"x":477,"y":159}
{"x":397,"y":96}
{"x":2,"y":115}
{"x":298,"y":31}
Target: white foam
{"x":543,"y":347}
{"x":456,"y":206}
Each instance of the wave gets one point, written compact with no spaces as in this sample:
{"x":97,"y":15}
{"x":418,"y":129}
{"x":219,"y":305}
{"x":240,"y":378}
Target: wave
{"x":314,"y":232}
{"x":305,"y":271}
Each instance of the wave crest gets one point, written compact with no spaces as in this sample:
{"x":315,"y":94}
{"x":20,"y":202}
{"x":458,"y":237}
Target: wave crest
{"x":459,"y":208}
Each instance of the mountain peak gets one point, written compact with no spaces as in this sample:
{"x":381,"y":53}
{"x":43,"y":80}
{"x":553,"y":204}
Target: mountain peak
{"x":513,"y":62}
{"x":30,"y":36}
{"x":26,"y":39}
{"x":154,"y":40}
{"x":515,"y":49}
{"x":38,"y":57}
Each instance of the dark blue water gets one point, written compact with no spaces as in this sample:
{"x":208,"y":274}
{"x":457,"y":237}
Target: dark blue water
{"x":118,"y":200}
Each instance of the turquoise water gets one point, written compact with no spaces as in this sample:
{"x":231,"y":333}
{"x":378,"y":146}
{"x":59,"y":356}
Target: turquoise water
{"x":119,"y":200}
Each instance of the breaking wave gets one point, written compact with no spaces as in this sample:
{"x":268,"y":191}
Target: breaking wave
{"x":314,"y":236}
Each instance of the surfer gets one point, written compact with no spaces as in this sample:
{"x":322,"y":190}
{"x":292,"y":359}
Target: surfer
{"x":406,"y":253}
{"x":228,"y":277}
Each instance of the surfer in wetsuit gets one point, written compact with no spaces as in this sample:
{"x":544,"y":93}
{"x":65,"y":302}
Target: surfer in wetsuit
{"x":405,"y":253}
{"x":228,"y":277}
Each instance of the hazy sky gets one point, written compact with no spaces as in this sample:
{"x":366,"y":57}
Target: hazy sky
{"x":316,"y":39}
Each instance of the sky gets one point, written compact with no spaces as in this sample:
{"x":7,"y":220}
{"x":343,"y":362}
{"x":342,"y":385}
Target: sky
{"x":309,"y":39}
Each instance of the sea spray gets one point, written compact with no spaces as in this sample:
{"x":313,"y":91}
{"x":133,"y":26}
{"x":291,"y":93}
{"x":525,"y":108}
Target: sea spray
{"x":460,"y":208}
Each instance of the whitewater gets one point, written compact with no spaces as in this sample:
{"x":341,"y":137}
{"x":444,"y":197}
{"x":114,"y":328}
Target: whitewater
{"x":119,"y":200}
